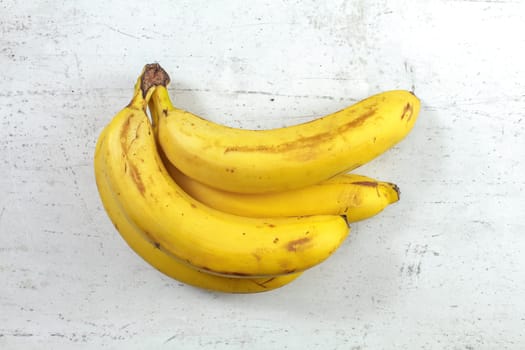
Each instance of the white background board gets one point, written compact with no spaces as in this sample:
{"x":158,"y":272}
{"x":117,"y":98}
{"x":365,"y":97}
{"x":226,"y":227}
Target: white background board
{"x":442,"y":269}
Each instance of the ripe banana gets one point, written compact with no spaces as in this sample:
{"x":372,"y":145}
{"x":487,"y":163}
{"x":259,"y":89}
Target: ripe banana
{"x":257,"y":161}
{"x":355,"y":196}
{"x":165,"y":263}
{"x":205,"y":238}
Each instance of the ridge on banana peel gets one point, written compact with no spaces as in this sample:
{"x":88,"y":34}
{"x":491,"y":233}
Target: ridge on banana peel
{"x":209,"y":240}
{"x":355,"y":196}
{"x":162,"y":261}
{"x":258,"y":161}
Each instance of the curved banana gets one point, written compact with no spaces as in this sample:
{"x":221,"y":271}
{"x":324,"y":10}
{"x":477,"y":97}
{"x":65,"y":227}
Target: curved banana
{"x":162,"y":261}
{"x":355,"y":196}
{"x":208,"y":239}
{"x":257,"y":161}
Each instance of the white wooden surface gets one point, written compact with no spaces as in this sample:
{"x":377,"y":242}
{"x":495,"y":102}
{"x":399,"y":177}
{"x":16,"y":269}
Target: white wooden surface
{"x":442,"y":269}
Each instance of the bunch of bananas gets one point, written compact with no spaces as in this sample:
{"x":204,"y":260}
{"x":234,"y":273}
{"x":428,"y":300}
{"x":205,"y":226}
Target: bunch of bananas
{"x":236,"y":210}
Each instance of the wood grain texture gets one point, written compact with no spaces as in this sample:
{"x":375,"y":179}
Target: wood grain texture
{"x":442,"y":269}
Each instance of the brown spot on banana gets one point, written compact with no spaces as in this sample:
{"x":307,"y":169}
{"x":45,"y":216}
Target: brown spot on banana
{"x":407,"y":112}
{"x":305,"y":142}
{"x":284,"y":264}
{"x":297,"y":244}
{"x":137,"y":179}
{"x":123,"y":134}
{"x":151,"y":240}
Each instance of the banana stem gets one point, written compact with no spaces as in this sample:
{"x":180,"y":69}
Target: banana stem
{"x":153,"y":75}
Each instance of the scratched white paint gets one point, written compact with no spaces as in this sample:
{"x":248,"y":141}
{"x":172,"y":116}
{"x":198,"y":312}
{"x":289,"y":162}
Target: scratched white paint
{"x":442,"y":269}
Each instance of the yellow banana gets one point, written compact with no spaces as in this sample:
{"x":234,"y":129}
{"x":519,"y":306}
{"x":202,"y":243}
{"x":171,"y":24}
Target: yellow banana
{"x":208,"y":239}
{"x":257,"y":161}
{"x":162,"y":261}
{"x":355,"y":196}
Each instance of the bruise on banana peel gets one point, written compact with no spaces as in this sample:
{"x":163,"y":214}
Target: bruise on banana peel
{"x":305,"y":143}
{"x":297,"y":244}
{"x":137,"y":179}
{"x":407,"y":112}
{"x":130,"y":168}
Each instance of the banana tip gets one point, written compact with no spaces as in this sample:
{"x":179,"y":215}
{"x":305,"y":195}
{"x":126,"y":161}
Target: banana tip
{"x":397,"y":190}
